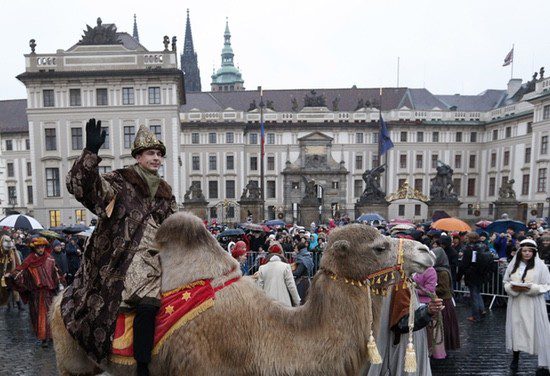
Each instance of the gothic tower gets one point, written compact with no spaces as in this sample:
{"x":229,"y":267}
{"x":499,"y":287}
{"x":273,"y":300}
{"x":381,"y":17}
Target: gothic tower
{"x":135,"y":34}
{"x":189,"y":65}
{"x":228,"y":77}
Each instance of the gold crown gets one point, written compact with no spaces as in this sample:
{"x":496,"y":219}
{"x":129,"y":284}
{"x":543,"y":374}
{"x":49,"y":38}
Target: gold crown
{"x":145,"y":139}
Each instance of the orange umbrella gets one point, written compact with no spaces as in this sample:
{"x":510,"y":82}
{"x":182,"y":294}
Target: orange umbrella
{"x":451,"y":224}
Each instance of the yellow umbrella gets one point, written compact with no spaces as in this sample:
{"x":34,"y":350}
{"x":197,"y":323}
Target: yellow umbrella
{"x":451,"y":224}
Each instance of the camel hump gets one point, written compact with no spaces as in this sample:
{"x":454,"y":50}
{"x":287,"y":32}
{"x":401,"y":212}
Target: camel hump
{"x":184,"y":229}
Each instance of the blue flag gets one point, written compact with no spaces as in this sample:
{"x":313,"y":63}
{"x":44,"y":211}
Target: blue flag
{"x":384,"y":140}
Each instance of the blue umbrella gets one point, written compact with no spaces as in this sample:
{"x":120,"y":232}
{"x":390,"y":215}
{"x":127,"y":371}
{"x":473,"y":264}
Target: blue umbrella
{"x":231,"y":232}
{"x":370,"y":217}
{"x":275,"y":222}
{"x":502,"y":225}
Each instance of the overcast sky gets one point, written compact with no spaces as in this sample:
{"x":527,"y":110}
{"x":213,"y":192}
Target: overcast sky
{"x":445,"y":46}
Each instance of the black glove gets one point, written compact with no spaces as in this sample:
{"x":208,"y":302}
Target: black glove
{"x":94,"y":136}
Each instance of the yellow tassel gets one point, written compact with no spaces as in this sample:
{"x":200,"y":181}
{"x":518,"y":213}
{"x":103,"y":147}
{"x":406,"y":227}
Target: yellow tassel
{"x":410,"y":358}
{"x":396,"y":286}
{"x":372,"y":351}
{"x":386,"y":278}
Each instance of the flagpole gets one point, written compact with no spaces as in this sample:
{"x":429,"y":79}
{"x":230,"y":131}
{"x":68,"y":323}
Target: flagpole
{"x":380,"y":146}
{"x":262,"y":151}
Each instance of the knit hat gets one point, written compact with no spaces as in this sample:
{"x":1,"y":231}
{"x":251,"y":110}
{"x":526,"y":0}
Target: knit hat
{"x":56,"y":243}
{"x":239,"y":249}
{"x":275,"y":247}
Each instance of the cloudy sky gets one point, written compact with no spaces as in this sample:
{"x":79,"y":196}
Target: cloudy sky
{"x":445,"y":46}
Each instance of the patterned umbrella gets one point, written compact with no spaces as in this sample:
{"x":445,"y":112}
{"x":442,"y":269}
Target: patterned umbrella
{"x":252,"y":226}
{"x":483,"y":224}
{"x":21,"y":222}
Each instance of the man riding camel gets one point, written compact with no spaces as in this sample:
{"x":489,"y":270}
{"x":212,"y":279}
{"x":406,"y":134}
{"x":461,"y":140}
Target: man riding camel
{"x":120,"y":268}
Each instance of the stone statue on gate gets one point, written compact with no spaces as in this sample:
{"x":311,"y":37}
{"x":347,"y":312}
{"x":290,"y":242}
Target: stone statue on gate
{"x":251,"y":191}
{"x":194,"y":193}
{"x":309,"y":188}
{"x":442,"y":184}
{"x":373,"y":191}
{"x":506,"y":191}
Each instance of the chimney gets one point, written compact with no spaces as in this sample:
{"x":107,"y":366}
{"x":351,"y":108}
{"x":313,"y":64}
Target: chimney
{"x":513,"y":86}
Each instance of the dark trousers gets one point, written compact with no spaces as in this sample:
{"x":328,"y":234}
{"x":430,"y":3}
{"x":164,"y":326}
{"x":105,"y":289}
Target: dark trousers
{"x":144,"y":332}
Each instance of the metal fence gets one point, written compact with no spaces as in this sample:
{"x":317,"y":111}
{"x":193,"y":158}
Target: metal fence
{"x":254,"y":260}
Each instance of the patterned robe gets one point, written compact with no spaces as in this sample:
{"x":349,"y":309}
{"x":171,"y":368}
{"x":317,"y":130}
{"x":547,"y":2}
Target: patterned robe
{"x":37,"y":279}
{"x":121,"y":200}
{"x":9,"y":260}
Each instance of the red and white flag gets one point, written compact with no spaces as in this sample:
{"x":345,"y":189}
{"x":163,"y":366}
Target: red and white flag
{"x":509,"y":58}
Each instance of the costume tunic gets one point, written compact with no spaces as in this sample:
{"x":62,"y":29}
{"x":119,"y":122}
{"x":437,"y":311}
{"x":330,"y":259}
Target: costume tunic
{"x":126,"y":214}
{"x":527,"y":326}
{"x":9,"y":260}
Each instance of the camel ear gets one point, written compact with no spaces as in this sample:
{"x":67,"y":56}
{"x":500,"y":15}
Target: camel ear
{"x":341,"y":248}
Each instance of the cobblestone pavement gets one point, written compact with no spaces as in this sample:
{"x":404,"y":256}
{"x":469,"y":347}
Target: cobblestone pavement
{"x":482,"y":351}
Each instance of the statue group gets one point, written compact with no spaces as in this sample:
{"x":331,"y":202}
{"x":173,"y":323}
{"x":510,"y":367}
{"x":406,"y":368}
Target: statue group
{"x":373,"y":191}
{"x":251,"y":191}
{"x":442,"y":184}
{"x":194,"y":193}
{"x":506,"y":191}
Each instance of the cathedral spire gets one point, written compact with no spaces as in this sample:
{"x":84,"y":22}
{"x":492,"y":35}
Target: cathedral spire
{"x":135,"y":34}
{"x":189,"y":63}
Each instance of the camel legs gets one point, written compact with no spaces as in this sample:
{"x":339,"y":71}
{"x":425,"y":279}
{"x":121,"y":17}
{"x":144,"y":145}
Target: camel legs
{"x":71,"y":359}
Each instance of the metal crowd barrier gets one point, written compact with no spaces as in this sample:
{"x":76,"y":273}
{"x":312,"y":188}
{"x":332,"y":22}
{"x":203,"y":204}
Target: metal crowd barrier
{"x":494,"y":287}
{"x":253,"y":260}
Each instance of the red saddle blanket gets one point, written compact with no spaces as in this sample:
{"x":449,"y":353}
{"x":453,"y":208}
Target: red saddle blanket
{"x":178,"y":307}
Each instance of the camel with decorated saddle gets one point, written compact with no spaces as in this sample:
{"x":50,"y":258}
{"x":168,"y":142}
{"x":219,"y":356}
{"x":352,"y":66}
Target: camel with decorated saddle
{"x":215,"y":322}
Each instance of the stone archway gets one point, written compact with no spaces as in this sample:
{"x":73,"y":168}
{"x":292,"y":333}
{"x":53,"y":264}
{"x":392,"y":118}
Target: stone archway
{"x":409,"y":203}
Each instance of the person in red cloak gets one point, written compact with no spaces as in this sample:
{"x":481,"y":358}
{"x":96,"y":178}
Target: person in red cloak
{"x":37,"y":280}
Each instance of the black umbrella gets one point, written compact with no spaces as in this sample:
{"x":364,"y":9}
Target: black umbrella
{"x":21,"y":222}
{"x":232,"y":232}
{"x":75,"y":229}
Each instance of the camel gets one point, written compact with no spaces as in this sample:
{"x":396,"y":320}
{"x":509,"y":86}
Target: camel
{"x":247,"y":333}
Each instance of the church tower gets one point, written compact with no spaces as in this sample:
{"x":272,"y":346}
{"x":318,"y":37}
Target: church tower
{"x":228,"y":77}
{"x":135,"y":34}
{"x":189,"y":64}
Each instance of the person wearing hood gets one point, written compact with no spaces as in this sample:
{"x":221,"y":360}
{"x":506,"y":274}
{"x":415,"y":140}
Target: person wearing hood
{"x":239,"y":253}
{"x":60,"y":258}
{"x":526,"y":280}
{"x":303,"y":270}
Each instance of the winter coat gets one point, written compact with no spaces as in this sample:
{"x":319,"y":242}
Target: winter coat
{"x":469,"y":268}
{"x":276,"y":279}
{"x":122,"y":202}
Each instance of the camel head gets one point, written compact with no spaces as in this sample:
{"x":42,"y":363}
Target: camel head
{"x":355,"y":251}
{"x":189,"y":252}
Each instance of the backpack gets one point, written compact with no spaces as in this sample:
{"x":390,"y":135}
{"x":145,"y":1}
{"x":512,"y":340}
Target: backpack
{"x":484,"y":263}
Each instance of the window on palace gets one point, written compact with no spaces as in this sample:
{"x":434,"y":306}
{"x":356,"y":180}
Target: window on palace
{"x":30,"y":198}
{"x":27,"y":144}
{"x":506,"y":158}
{"x":375,"y":138}
{"x":195,"y":138}
{"x":253,"y":138}
{"x":472,"y":163}
{"x":230,"y":212}
{"x":104,"y":169}
{"x":76,"y":138}
{"x":400,"y":183}
{"x":419,"y":136}
{"x":541,"y":183}
{"x":403,"y":161}
{"x":357,"y":187}
{"x":457,"y":182}
{"x":230,"y":189}
{"x":435,"y":158}
{"x":546,"y":112}
{"x":55,"y":218}
{"x":80,"y":215}
{"x":359,"y":138}
{"x":270,"y":189}
{"x":154,"y":95}
{"x":473,"y":136}
{"x":50,"y":138}
{"x":418,"y":184}
{"x":11,"y":170}
{"x":229,"y":137}
{"x":527,"y":158}
{"x":493,"y":159}
{"x":419,"y":161}
{"x":212,"y":138}
{"x":127,"y":95}
{"x":470,"y":210}
{"x":53,"y":187}
{"x":471,"y":187}
{"x":156,"y":129}
{"x":213,"y":189}
{"x":435,"y":137}
{"x":212,"y":162}
{"x":270,"y":140}
{"x":491,"y":209}
{"x":49,"y":98}
{"x":417,"y":210}
{"x":401,"y":210}
{"x":196,"y":162}
{"x":458,"y":136}
{"x":9,"y":145}
{"x":29,"y":169}
{"x":358,"y":162}
{"x":129,"y":135}
{"x":544,"y":145}
{"x":508,"y":132}
{"x":525,"y":184}
{"x":102,"y":97}
{"x":458,"y":161}
{"x":492,"y":186}
{"x":229,"y":162}
{"x":375,"y":161}
{"x":270,"y":163}
{"x":335,"y":185}
{"x":529,"y":127}
{"x":253,"y":163}
{"x":12,"y":196}
{"x":495,"y":134}
{"x":106,"y":144}
{"x":75,"y":99}
{"x":213,"y":212}
{"x":403,"y":137}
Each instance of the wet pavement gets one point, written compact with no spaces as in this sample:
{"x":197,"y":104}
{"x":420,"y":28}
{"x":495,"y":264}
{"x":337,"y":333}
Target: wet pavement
{"x":482,"y":353}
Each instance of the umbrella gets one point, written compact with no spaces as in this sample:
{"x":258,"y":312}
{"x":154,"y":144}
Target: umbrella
{"x":397,"y":221}
{"x":252,"y":226}
{"x":451,"y":224}
{"x":87,"y":233}
{"x":232,"y":232}
{"x":48,"y":234}
{"x":502,"y":225}
{"x":483,"y":224}
{"x":21,"y":221}
{"x":75,"y":229}
{"x":370,"y":217}
{"x":439,"y":214}
{"x":275,"y":222}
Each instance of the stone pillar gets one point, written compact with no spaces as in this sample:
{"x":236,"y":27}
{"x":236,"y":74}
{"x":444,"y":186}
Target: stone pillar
{"x":364,"y":207}
{"x":451,"y":207}
{"x":197,"y":207}
{"x":308,"y":213}
{"x":507,"y":207}
{"x":254,"y":206}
